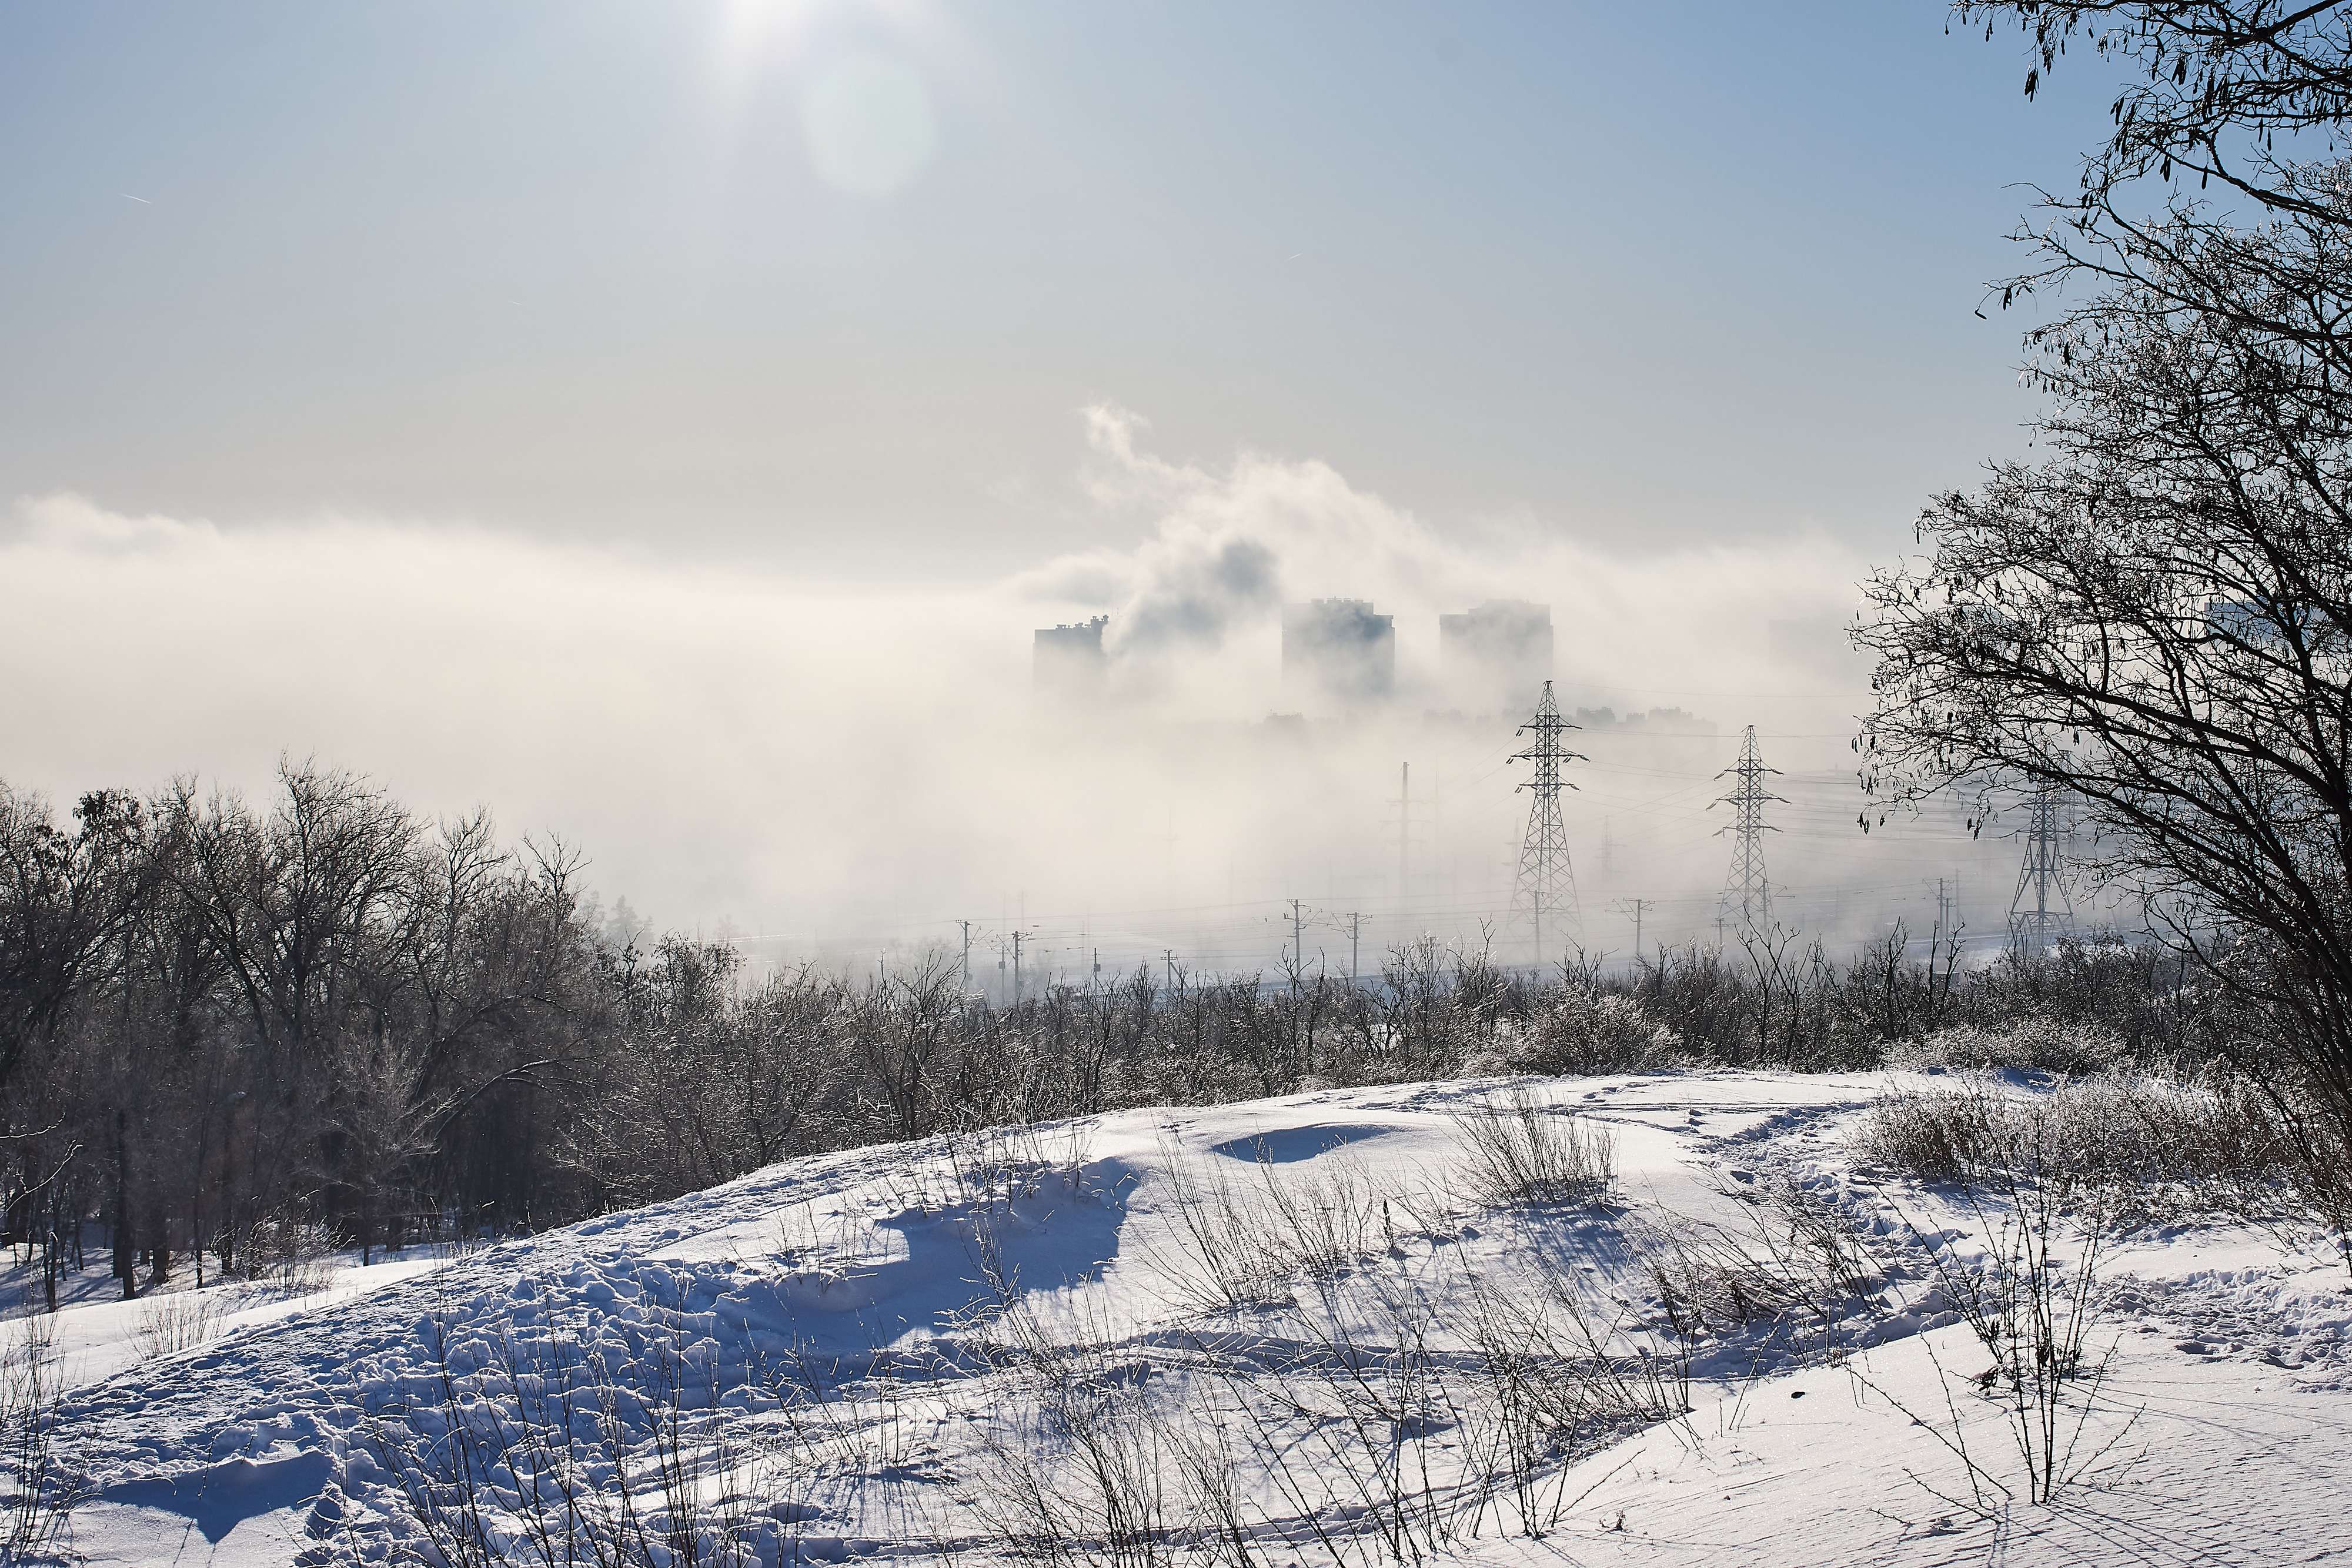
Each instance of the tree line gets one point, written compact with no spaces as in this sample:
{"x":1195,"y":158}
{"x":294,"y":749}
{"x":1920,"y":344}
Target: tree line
{"x":234,"y":1034}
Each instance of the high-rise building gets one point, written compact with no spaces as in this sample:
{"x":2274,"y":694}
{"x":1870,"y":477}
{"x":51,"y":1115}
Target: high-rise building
{"x":1068,"y":660}
{"x":1338,"y":653}
{"x":1496,"y":656}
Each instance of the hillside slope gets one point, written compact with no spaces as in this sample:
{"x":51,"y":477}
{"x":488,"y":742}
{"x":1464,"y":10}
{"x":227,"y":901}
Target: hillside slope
{"x":1304,"y":1330}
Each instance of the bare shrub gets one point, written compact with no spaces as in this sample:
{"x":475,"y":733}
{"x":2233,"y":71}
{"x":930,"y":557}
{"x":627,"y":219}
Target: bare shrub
{"x":1227,"y":1261}
{"x":1325,"y":1219}
{"x":1367,"y":1420}
{"x":1344,"y":1429}
{"x":1398,"y":1421}
{"x":1555,"y":1384}
{"x":2029,"y":1293}
{"x":990,"y":1168}
{"x":1793,"y":1263}
{"x":855,"y":1422}
{"x":2322,"y":1151}
{"x":39,"y":1495}
{"x":290,"y":1253}
{"x":2032,"y":1308}
{"x":1087,"y":1472}
{"x":1942,"y":1135}
{"x":1522,"y":1150}
{"x":180,"y":1320}
{"x":799,"y":1239}
{"x":994,"y":1167}
{"x":1247,"y":1240}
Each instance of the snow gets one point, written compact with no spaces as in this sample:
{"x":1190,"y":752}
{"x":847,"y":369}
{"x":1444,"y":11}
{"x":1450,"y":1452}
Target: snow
{"x":98,"y":1334}
{"x":1818,"y":1468}
{"x":874,"y":1304}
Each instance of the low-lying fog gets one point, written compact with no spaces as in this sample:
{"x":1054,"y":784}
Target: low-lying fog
{"x":844,"y":769}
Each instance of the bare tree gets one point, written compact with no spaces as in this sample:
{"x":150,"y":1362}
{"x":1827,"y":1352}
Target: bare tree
{"x":902,"y":1030}
{"x":2215,"y":87}
{"x":65,"y":898}
{"x":2156,"y":620}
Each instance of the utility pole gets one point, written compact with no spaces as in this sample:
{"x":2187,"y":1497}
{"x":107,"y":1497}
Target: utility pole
{"x":1353,"y":929}
{"x":1546,"y":885}
{"x":1168,"y":955}
{"x":1403,"y":804}
{"x":966,"y":924}
{"x":1945,"y":899}
{"x":1746,"y":891}
{"x":1442,"y":875}
{"x":1404,"y":830}
{"x":1634,"y":907}
{"x":1298,"y":941}
{"x":1013,"y":941}
{"x":2049,"y":915}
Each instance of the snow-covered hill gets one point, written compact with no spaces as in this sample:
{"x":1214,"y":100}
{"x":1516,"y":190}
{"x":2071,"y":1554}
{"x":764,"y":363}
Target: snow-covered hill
{"x":1307,"y":1330}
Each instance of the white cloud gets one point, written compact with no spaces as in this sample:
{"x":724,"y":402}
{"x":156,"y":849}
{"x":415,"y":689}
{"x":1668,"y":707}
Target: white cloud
{"x":67,"y":521}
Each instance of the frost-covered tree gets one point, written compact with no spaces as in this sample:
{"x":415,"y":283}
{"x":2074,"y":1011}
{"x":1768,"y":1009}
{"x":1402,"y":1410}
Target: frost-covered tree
{"x":2155,"y":617}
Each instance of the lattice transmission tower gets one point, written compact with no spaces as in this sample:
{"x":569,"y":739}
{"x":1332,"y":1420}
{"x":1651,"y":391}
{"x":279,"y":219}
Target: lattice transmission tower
{"x":1748,"y":890}
{"x":1544,"y":894}
{"x":2040,"y":912}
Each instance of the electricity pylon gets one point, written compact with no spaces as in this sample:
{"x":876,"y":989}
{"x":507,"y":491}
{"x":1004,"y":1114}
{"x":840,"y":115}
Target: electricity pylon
{"x":1748,"y":890}
{"x":1545,"y":889}
{"x":2040,"y":912}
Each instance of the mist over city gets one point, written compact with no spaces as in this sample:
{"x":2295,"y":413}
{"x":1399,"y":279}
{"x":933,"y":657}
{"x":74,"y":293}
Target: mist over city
{"x":795,"y":782}
{"x":884,"y":764}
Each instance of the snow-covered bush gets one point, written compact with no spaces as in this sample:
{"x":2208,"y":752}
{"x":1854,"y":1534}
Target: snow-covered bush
{"x":1584,"y":1029}
{"x":2035,"y":1043}
{"x":2212,"y":1134}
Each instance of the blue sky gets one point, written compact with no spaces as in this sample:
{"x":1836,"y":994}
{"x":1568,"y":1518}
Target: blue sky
{"x":1649,"y":272}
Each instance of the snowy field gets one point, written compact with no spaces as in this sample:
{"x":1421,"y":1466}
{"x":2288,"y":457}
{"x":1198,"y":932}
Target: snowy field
{"x":1320,"y":1328}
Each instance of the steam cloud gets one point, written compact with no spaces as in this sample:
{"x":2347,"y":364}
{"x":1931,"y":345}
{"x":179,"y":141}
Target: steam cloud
{"x":1222,"y":550}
